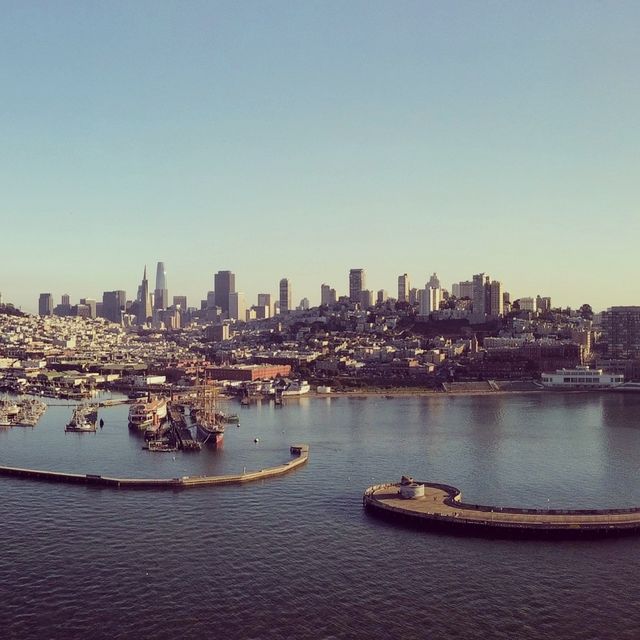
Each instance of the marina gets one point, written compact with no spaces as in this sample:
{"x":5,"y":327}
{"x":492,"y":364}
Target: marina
{"x":549,"y":451}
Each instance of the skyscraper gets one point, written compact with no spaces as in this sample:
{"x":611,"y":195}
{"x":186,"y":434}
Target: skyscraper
{"x":264,"y":301}
{"x":285,"y":296}
{"x":161,"y":293}
{"x":45,"y":304}
{"x":237,"y":306}
{"x":403,"y":288}
{"x":180,"y":301}
{"x":434,"y":282}
{"x":224,"y":283}
{"x":496,"y":307}
{"x":144,"y":303}
{"x":114,"y":304}
{"x":622,"y":331}
{"x":356,"y":285}
{"x":479,"y":298}
{"x":430,"y":300}
{"x":327,"y":295}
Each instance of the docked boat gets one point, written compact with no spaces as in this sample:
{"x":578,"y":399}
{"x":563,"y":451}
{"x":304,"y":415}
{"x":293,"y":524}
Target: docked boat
{"x":581,"y":378}
{"x":147,"y":413}
{"x":83,"y":419}
{"x":208,"y":421}
{"x":160,"y":446}
{"x":9,"y":408}
{"x":30,"y":411}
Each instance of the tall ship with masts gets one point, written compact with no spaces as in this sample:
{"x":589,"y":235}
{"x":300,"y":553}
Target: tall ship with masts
{"x":208,"y":420}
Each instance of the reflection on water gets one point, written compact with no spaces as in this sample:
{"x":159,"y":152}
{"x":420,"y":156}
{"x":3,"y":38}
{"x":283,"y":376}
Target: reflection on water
{"x":296,"y":556}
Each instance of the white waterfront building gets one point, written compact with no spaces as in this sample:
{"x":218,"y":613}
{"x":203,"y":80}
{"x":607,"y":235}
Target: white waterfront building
{"x":581,"y":378}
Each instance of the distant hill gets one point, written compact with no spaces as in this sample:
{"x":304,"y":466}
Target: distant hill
{"x":10,"y":310}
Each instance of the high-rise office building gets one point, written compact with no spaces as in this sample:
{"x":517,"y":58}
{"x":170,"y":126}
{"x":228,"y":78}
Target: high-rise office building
{"x":264,"y":300}
{"x":496,"y":300}
{"x":382,"y":296}
{"x":224,"y":284}
{"x":356,"y":285}
{"x":479,"y":295}
{"x":65,"y":301}
{"x":430,"y":300}
{"x":327,"y":295}
{"x":180,"y":301}
{"x":366,"y":298}
{"x":161,"y":293}
{"x":304,"y":304}
{"x":463,"y":289}
{"x":543,"y":304}
{"x":91,"y":305}
{"x":45,"y":304}
{"x":114,"y":304}
{"x":144,"y":301}
{"x":403,"y":288}
{"x":237,"y":306}
{"x":622,"y":330}
{"x":434,"y":282}
{"x":285,"y":296}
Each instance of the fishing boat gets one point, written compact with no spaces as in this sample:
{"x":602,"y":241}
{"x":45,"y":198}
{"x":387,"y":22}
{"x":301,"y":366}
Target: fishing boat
{"x":82,"y":420}
{"x":30,"y":411}
{"x":147,"y":413}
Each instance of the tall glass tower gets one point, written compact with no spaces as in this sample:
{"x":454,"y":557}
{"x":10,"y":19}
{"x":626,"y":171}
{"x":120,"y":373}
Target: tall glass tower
{"x":161,"y":294}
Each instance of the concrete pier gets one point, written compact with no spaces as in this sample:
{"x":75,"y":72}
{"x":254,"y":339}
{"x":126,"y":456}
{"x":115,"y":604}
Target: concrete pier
{"x":301,"y":453}
{"x":441,"y":507}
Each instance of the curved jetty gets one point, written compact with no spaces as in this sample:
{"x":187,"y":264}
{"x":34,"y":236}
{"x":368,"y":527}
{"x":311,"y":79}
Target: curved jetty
{"x":300,"y":451}
{"x":440,"y":506}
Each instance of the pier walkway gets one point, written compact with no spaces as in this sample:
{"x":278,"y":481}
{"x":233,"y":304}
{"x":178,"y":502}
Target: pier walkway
{"x":301,"y":453}
{"x":441,"y":507}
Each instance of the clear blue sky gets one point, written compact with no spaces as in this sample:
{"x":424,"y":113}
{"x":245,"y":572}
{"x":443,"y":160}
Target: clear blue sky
{"x":300,"y":139}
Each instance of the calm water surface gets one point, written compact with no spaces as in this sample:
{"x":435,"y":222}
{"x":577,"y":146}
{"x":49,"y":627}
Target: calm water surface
{"x":296,"y":557}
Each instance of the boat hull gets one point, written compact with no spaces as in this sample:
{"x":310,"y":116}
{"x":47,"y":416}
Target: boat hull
{"x":215,"y":438}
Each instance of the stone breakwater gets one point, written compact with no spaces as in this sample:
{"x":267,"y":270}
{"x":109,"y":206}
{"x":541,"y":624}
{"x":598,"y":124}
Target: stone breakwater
{"x":301,"y":453}
{"x":440,"y":506}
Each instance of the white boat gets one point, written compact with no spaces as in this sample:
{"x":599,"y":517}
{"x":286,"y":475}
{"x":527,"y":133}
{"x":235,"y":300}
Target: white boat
{"x":146,"y":413}
{"x":581,"y":378}
{"x":83,"y":419}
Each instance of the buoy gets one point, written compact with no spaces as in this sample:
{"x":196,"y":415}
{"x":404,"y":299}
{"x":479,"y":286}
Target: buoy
{"x":256,"y":440}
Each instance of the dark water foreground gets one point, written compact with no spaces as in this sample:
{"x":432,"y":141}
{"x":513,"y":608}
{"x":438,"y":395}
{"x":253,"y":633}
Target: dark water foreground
{"x":297,"y":556}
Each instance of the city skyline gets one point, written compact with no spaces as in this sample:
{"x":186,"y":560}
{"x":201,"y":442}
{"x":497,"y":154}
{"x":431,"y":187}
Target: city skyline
{"x":411,"y":138}
{"x":315,"y":298}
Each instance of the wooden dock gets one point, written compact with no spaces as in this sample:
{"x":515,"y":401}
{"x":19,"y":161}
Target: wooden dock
{"x":183,"y":438}
{"x":300,"y":453}
{"x":441,"y":507}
